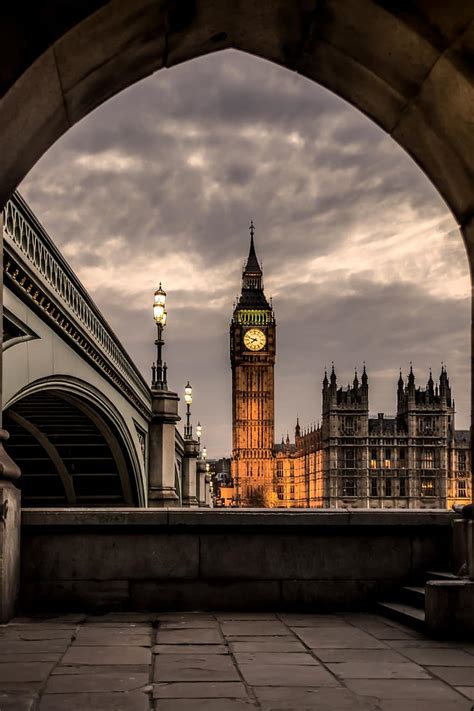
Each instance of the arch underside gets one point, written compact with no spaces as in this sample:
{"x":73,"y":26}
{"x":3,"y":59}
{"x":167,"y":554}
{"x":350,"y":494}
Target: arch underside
{"x":408,"y":66}
{"x":67,"y":452}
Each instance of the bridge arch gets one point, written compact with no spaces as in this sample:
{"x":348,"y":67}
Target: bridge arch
{"x":72,"y":445}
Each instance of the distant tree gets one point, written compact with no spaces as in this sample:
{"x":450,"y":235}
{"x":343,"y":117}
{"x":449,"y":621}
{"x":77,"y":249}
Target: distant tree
{"x":256,"y":498}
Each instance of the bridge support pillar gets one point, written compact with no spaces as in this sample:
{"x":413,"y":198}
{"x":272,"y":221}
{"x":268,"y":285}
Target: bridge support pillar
{"x":201,"y":483}
{"x":162,"y":490}
{"x":191,"y":451}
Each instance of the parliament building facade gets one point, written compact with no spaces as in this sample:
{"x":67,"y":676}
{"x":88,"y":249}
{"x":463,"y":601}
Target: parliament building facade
{"x":416,"y":459}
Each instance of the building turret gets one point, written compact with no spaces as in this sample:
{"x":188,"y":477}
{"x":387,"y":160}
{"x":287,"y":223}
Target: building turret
{"x":297,"y":428}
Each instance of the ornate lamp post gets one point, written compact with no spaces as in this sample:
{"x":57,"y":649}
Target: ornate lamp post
{"x":199,"y":432}
{"x":188,"y":398}
{"x":160,"y":315}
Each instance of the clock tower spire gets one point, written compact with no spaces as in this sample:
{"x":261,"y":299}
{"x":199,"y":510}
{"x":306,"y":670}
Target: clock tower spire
{"x":252,"y":355}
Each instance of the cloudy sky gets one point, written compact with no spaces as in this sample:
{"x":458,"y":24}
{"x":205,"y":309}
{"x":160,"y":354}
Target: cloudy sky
{"x":360,"y":253}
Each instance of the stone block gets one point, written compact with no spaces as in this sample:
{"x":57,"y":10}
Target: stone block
{"x":286,"y":675}
{"x":10,"y":502}
{"x":377,"y":670}
{"x":338,"y":638}
{"x":449,"y":607}
{"x":205,"y":595}
{"x":200,"y":690}
{"x":216,"y":667}
{"x":403,"y":689}
{"x":91,"y":595}
{"x":99,"y":656}
{"x":280,"y":698}
{"x":279,"y":556}
{"x":110,"y":556}
{"x":96,"y":682}
{"x":132,"y":701}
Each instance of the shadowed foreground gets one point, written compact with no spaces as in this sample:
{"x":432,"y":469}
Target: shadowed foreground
{"x":229,"y":662}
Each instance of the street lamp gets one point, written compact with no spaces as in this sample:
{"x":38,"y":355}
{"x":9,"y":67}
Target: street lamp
{"x":199,"y":431}
{"x":159,"y":314}
{"x":188,"y":398}
{"x":204,"y":453}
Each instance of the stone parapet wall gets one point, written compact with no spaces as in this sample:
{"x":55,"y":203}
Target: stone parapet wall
{"x":176,"y":559}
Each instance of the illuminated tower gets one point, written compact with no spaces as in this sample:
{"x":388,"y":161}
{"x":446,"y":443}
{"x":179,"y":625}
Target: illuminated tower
{"x":252,"y":356}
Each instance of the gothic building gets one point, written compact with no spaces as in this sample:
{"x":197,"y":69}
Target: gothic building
{"x":415,"y":459}
{"x":252,"y":355}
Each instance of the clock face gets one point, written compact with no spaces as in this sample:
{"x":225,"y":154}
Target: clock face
{"x":254,"y":339}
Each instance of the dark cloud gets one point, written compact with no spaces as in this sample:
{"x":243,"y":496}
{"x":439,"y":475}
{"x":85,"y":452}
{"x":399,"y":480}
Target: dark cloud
{"x":359,"y":250}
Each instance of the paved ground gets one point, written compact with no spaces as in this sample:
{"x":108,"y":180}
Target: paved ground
{"x":229,"y":662}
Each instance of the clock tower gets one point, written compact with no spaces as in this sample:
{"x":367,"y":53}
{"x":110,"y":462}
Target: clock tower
{"x":252,"y":357}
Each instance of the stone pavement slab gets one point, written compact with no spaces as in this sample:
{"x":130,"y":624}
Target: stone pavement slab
{"x":55,"y":646}
{"x":440,"y":657}
{"x":16,"y":702}
{"x":466,"y":691}
{"x":101,"y":669}
{"x":106,"y":655}
{"x":423,"y":705}
{"x":200,"y":690}
{"x":378,"y":670}
{"x":96,"y":682}
{"x":216,"y":667}
{"x":294,"y":620}
{"x":28,"y":633}
{"x":338,"y":638}
{"x":456,"y":676}
{"x":24,"y":671}
{"x":188,"y":636}
{"x":289,"y":658}
{"x":359,"y":655}
{"x":190,"y":649}
{"x":104,"y":638}
{"x":134,"y":701}
{"x":428,"y":690}
{"x":26,"y":657}
{"x":286,"y":675}
{"x":267,"y":644}
{"x":305,"y":699}
{"x":204,"y":705}
{"x":265,"y":628}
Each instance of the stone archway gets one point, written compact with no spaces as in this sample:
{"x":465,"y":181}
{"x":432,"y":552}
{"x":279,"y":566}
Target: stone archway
{"x":408,"y":67}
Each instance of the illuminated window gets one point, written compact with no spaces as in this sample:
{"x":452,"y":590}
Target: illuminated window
{"x":373,"y":464}
{"x":462,"y":490}
{"x":427,"y":459}
{"x":428,"y":486}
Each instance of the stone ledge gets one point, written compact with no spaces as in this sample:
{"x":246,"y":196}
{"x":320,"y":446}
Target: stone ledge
{"x":236,"y":517}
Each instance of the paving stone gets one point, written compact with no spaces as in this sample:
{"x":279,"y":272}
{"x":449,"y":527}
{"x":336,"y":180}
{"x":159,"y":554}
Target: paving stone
{"x":134,"y":627}
{"x":122,"y":617}
{"x":102,"y":638}
{"x":15,"y":702}
{"x":24,"y":671}
{"x":204,"y":705}
{"x":423,"y":643}
{"x":194,"y":668}
{"x":456,"y":676}
{"x":467,"y":691}
{"x":189,"y":649}
{"x":270,"y":628}
{"x":96,"y":682}
{"x":63,"y":669}
{"x":257,"y":616}
{"x":54,"y":646}
{"x":33,"y":657}
{"x":188,"y":624}
{"x":430,"y":690}
{"x":197,"y":690}
{"x":424,"y":705}
{"x":378,"y":670}
{"x":278,"y":698}
{"x":28,"y":634}
{"x":133,"y":701}
{"x":293,"y":620}
{"x":440,"y":657}
{"x":338,"y":638}
{"x":286,"y":675}
{"x":359,"y":655}
{"x":69,"y":620}
{"x":267,"y":644}
{"x":199,"y":636}
{"x":107,"y":655}
{"x":300,"y":658}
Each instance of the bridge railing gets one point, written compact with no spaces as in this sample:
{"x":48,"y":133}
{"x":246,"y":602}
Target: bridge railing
{"x":61,"y":297}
